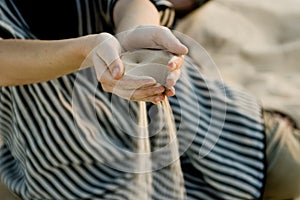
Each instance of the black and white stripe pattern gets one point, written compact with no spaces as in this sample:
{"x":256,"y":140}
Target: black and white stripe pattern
{"x":229,"y":170}
{"x":167,"y":14}
{"x":63,"y":139}
{"x":95,"y":16}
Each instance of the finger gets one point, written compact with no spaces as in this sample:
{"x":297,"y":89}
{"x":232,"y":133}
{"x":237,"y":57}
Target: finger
{"x":156,"y":99}
{"x":126,"y":82}
{"x":165,"y":38}
{"x":156,"y":37}
{"x":153,"y":99}
{"x":109,"y":51}
{"x":176,"y":62}
{"x":172,"y":78}
{"x":170,"y":92}
{"x":116,"y":69}
{"x":138,"y":94}
{"x":102,"y":72}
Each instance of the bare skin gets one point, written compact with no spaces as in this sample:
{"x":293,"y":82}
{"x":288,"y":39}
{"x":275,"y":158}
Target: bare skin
{"x":33,"y":61}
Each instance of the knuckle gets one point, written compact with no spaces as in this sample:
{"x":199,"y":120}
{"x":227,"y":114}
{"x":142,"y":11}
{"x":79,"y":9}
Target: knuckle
{"x":132,"y":98}
{"x":161,"y":31}
{"x":101,"y":79}
{"x":171,"y":82}
{"x":106,"y":88}
{"x":164,"y":29}
{"x":104,"y":36}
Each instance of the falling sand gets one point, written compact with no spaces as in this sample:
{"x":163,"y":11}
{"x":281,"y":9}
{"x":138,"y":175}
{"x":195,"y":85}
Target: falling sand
{"x":153,"y":63}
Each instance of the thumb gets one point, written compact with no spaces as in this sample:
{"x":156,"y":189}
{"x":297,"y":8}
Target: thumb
{"x":116,"y":69}
{"x":109,"y":51}
{"x":156,"y":37}
{"x":165,"y":38}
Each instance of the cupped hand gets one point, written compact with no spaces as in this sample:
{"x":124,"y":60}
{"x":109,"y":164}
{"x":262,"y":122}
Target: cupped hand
{"x":105,"y":58}
{"x":152,"y":37}
{"x":156,"y":37}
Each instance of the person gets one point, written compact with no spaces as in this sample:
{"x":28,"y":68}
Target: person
{"x":62,"y":138}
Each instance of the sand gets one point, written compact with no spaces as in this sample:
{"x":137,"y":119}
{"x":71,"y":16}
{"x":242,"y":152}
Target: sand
{"x":153,"y":63}
{"x":255,"y":45}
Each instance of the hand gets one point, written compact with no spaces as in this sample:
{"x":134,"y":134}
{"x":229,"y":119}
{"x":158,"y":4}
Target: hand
{"x":156,"y":37}
{"x":152,"y":37}
{"x":105,"y":57}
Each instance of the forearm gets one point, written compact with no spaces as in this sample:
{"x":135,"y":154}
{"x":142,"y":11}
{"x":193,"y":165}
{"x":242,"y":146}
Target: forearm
{"x":31,"y":61}
{"x":131,"y":13}
{"x":183,"y":5}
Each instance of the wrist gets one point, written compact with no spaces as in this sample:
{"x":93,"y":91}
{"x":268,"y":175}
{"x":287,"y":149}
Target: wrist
{"x":86,"y":44}
{"x":82,"y":47}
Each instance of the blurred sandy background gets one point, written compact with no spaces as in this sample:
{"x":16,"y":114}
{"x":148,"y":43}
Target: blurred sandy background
{"x":255,"y":45}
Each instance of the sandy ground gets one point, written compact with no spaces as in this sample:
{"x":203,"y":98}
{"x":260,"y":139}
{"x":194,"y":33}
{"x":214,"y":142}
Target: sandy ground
{"x":255,"y":46}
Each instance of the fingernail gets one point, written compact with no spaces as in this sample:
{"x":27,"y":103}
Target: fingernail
{"x":172,"y":91}
{"x":157,"y":99}
{"x":174,"y":58}
{"x":115,"y":71}
{"x":172,"y":64}
{"x":186,"y":50}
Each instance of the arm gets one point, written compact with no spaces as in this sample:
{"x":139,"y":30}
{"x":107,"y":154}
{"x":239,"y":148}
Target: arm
{"x":131,"y":13}
{"x":30,"y":61}
{"x":138,"y":26}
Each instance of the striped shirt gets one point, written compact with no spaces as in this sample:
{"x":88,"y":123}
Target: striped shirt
{"x":68,"y":139}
